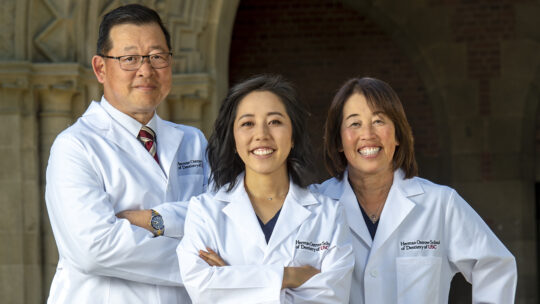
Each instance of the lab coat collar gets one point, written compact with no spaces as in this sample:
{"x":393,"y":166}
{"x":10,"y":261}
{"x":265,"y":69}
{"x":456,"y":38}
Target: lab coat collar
{"x":101,"y":120}
{"x":168,"y":138}
{"x":397,"y":207}
{"x":293,"y":213}
{"x":132,"y":125}
{"x":240,"y":211}
{"x":344,"y":193}
{"x":168,"y":143}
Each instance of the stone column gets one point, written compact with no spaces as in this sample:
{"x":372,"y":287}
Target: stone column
{"x":186,"y":110}
{"x":189,"y":99}
{"x":20,"y":260}
{"x":55,"y":115}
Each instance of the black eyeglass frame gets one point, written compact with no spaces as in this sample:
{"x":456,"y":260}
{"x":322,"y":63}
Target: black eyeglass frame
{"x":142,"y":60}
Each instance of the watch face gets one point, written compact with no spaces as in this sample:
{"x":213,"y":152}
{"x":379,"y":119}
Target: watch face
{"x":157,"y":222}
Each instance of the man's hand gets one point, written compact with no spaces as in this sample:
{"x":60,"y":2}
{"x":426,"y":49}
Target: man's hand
{"x":139,"y":218}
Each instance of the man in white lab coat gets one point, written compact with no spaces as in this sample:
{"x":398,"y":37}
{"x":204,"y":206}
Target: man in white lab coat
{"x":121,"y":156}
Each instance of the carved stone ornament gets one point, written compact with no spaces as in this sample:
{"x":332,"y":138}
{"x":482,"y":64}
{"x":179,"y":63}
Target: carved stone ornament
{"x":7,"y":29}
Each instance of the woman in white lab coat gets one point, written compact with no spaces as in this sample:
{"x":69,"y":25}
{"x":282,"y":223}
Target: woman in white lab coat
{"x":261,"y":236}
{"x":410,"y":235}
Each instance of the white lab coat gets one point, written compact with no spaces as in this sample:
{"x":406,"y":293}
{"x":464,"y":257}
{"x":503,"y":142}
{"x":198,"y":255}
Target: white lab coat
{"x":426,"y":234}
{"x":310,"y":230}
{"x":97,"y":169}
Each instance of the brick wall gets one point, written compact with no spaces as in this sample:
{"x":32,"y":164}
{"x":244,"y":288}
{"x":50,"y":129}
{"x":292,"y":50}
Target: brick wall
{"x":482,"y":25}
{"x":319,"y":44}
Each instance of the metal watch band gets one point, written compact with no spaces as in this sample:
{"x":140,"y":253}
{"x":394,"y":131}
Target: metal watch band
{"x":156,"y":222}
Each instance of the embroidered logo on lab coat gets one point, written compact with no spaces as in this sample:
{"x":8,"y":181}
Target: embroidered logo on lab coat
{"x":420,"y":245}
{"x":193,"y":166}
{"x":306,"y":245}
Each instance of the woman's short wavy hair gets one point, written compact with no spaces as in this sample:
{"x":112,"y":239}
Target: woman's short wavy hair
{"x":226,"y":164}
{"x":379,"y":96}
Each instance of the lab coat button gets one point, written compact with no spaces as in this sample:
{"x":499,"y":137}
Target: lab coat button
{"x":373,"y":273}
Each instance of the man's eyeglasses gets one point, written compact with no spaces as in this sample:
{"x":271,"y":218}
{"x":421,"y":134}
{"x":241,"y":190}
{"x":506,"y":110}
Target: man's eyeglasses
{"x":134,"y":62}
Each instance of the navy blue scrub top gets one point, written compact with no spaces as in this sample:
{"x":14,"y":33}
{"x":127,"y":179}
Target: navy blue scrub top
{"x":372,"y":227}
{"x":268,"y":228}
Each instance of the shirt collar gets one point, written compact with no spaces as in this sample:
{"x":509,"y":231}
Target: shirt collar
{"x":126,"y":121}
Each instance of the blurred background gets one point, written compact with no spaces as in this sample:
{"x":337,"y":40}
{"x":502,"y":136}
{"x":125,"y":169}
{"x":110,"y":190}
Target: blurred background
{"x":467,"y":72}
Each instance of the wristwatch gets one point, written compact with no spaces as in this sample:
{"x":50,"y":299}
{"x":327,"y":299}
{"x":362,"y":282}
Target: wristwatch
{"x":156,"y":222}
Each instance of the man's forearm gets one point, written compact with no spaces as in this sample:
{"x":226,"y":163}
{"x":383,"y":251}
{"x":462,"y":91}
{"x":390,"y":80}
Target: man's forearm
{"x":139,"y":218}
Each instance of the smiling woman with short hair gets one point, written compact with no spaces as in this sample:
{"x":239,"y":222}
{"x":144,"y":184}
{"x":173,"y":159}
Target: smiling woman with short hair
{"x":262,"y":237}
{"x":410,"y":236}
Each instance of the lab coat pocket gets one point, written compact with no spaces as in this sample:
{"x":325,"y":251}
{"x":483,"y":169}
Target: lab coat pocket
{"x":418,"y":279}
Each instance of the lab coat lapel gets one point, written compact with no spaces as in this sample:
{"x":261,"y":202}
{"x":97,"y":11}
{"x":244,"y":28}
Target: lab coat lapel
{"x":342,"y":192}
{"x":397,"y":207}
{"x":293,"y":214}
{"x":241,"y":213}
{"x":168,"y":143}
{"x":117,"y":134}
{"x":354,"y":214}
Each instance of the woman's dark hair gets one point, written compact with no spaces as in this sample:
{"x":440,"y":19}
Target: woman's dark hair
{"x":225,"y":163}
{"x":381,"y":97}
{"x":127,"y":14}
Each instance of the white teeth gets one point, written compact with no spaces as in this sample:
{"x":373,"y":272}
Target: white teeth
{"x":370,"y":151}
{"x":262,"y":151}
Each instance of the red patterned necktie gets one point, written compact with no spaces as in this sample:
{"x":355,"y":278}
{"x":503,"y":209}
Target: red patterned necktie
{"x":147,"y":136}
